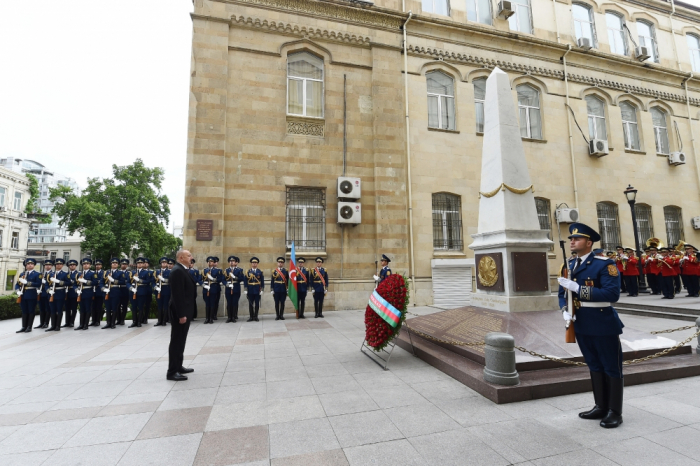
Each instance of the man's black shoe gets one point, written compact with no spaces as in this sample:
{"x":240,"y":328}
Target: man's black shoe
{"x":612,"y":420}
{"x":157,"y":324}
{"x":21,"y":330}
{"x":229,"y":320}
{"x":177,"y":377}
{"x":250,"y":320}
{"x":133,"y":325}
{"x":595,"y":413}
{"x":186,"y":370}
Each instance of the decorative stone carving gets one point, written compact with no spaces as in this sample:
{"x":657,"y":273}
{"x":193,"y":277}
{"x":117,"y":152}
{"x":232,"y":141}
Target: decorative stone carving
{"x":302,"y":31}
{"x":305,"y":127}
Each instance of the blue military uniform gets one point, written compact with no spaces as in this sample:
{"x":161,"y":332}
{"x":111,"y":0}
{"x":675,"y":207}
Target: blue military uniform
{"x":197,"y":277}
{"x":124,"y":292}
{"x":86,"y":282}
{"x":162,"y":291}
{"x":303,"y":279}
{"x":114,"y":284}
{"x":255,"y":285}
{"x":319,"y":279}
{"x":278,"y":283}
{"x":60,"y":282}
{"x":71,"y":295}
{"x":45,"y":297}
{"x":28,"y":295}
{"x":148,"y":301}
{"x":99,"y":297}
{"x":385,"y":271}
{"x":213,"y":278}
{"x":597,"y":326}
{"x":141,"y":281}
{"x":234,"y":277}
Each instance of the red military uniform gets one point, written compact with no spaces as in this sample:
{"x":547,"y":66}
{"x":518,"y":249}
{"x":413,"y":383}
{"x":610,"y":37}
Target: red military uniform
{"x":630,"y":273}
{"x":668,"y":271}
{"x":691,"y":272}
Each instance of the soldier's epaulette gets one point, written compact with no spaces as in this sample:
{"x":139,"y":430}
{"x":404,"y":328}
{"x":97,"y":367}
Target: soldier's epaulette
{"x":603,"y":258}
{"x":561,"y":270}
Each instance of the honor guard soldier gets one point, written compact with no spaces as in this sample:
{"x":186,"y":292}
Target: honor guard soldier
{"x":141,"y":281}
{"x":319,"y":278}
{"x":171,"y":263}
{"x":212,"y":277}
{"x":595,"y":283}
{"x":44,"y":296}
{"x":60,"y":281}
{"x":85,"y":289}
{"x":691,"y":270}
{"x":149,"y":297}
{"x":278,"y":285}
{"x":114,"y":286}
{"x":385,"y":272}
{"x":162,"y":290}
{"x":254,"y":287}
{"x":303,"y":278}
{"x":99,"y":300}
{"x":234,"y":277}
{"x":71,"y":295}
{"x":124,"y":295}
{"x":194,"y":273}
{"x":631,"y":273}
{"x":27,"y":286}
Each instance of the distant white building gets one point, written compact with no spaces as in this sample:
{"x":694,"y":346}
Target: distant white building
{"x":14,"y":227}
{"x":177,"y":231}
{"x":45,"y":232}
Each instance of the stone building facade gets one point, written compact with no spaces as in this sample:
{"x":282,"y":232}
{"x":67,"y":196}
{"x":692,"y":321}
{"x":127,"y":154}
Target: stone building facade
{"x":14,"y":227}
{"x":276,"y":84}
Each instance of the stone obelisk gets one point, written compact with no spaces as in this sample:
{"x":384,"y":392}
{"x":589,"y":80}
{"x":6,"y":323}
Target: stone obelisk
{"x":510,"y":248}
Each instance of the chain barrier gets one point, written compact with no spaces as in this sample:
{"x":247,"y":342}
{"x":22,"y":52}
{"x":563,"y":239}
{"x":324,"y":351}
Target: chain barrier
{"x":560,"y":360}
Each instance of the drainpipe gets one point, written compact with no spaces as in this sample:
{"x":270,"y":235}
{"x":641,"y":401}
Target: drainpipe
{"x":408,"y":160}
{"x":690,"y":123}
{"x":571,"y":136}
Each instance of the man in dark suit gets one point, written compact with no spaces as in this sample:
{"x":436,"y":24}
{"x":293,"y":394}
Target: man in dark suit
{"x":183,"y":295}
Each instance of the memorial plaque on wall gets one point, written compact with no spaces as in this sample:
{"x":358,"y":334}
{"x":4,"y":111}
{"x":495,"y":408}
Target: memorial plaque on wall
{"x":530,"y":271}
{"x":489,"y":271}
{"x":205,"y":230}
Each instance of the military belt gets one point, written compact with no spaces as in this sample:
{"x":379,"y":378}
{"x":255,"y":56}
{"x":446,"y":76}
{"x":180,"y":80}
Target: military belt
{"x":60,"y":288}
{"x":29,"y":288}
{"x":164,"y":282}
{"x":88,"y":288}
{"x":596,"y":304}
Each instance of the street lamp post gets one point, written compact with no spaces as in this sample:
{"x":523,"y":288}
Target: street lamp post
{"x":631,"y":195}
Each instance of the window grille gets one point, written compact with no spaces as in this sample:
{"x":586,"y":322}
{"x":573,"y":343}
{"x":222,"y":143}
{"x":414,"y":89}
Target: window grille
{"x":479,"y":97}
{"x":306,"y":219}
{"x":608,"y":225}
{"x":674,"y":225}
{"x":645,"y":225}
{"x":447,"y":222}
{"x":596,"y":118}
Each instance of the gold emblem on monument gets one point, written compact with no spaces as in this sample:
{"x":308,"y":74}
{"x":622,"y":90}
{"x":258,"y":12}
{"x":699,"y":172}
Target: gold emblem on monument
{"x":488,"y":272}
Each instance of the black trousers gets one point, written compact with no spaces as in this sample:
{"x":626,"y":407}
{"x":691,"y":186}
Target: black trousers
{"x":232,"y":304}
{"x":98,"y":309}
{"x":178,"y":340}
{"x":86,"y":303}
{"x":318,"y":303}
{"x":71,"y":309}
{"x":677,"y":283}
{"x":280,"y":298}
{"x":212,"y":303}
{"x":44,"y":310}
{"x":653,"y":283}
{"x":253,"y":305}
{"x":623,"y":285}
{"x":692,"y":284}
{"x":632,"y":282}
{"x":302,"y":303}
{"x":667,"y":286}
{"x":123,"y":305}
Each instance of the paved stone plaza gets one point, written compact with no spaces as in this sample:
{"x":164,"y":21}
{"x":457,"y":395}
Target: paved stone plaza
{"x":301,"y":393}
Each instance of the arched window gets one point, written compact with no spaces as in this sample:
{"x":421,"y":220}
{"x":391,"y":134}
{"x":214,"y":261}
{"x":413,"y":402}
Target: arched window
{"x":584,"y":27}
{"x":647,"y":38}
{"x":479,"y":11}
{"x":629,"y":125}
{"x":608,"y":225}
{"x":447,"y":222}
{"x":479,"y":97}
{"x":673,"y":218}
{"x":304,"y":85}
{"x":441,"y":100}
{"x":645,"y":225}
{"x":694,"y":50}
{"x":521,"y":21}
{"x":596,"y":117}
{"x":529,"y":106}
{"x":441,"y":7}
{"x":658,"y":116}
{"x":616,"y":33}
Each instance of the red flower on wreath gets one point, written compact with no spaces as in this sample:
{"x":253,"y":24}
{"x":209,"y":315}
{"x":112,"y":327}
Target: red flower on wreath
{"x":378,"y":333}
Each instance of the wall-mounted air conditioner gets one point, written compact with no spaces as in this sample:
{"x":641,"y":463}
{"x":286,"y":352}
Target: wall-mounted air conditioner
{"x":676,"y":158}
{"x":567,"y":215}
{"x":505,"y":10}
{"x":598,"y":147}
{"x":349,"y":188}
{"x":350,"y":213}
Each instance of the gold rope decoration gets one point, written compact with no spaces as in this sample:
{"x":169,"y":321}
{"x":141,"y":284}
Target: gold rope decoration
{"x":503,"y":187}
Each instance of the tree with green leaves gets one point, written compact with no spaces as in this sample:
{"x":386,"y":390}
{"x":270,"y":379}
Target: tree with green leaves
{"x":119,"y":216}
{"x":32,"y":209}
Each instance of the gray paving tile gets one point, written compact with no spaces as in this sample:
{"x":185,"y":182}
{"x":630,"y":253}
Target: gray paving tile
{"x":421,"y":419}
{"x":456,"y":447}
{"x":166,"y":451}
{"x":6,"y":431}
{"x":583,"y":457}
{"x":237,"y":415}
{"x":67,"y":414}
{"x":199,"y":380}
{"x":241,"y":393}
{"x":97,"y":455}
{"x":244,"y":377}
{"x":319,"y":458}
{"x":448,"y":389}
{"x":683,"y":440}
{"x":642,"y":452}
{"x":109,"y":429}
{"x":131,"y":408}
{"x":176,"y":422}
{"x":353,"y":401}
{"x":277,"y":374}
{"x":290,"y":389}
{"x":399,"y":395}
{"x":326,"y":370}
{"x":34,"y":458}
{"x":529,"y":409}
{"x":299,"y":437}
{"x":294,"y":409}
{"x":233,"y":446}
{"x":670,"y":409}
{"x":40,"y":436}
{"x":472,"y":411}
{"x":335,"y":384}
{"x":352,"y":429}
{"x":189,"y":398}
{"x":394,"y":453}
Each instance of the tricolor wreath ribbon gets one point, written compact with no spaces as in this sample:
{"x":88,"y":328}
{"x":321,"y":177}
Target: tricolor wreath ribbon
{"x":384,"y":309}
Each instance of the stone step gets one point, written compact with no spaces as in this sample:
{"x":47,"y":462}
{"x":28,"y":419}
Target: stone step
{"x":666,"y":313}
{"x":675,"y":305}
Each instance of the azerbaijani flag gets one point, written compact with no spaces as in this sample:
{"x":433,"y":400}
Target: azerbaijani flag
{"x":384,"y":309}
{"x":292,"y":284}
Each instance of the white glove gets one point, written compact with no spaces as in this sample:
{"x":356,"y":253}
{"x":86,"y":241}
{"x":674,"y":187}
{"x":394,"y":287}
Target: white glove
{"x":78,"y":292}
{"x":245,"y":292}
{"x":210,"y":277}
{"x":567,"y":317}
{"x":19,"y":293}
{"x":206,"y":287}
{"x":160,"y":277}
{"x":157,"y":289}
{"x":137,"y":279}
{"x":376,"y":278}
{"x":111,"y":280}
{"x":23,"y":281}
{"x":133,"y":290}
{"x":326,"y":291}
{"x":230,"y":285}
{"x":43,"y":281}
{"x":51,"y":292}
{"x":53,"y":280}
{"x":105,"y":290}
{"x":272,"y":292}
{"x":82,"y":280}
{"x":568,"y":284}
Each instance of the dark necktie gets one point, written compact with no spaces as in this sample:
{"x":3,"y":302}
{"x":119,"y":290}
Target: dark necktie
{"x":578,"y":263}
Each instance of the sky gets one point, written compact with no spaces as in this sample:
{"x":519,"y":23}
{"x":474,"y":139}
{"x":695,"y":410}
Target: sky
{"x":85,"y":84}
